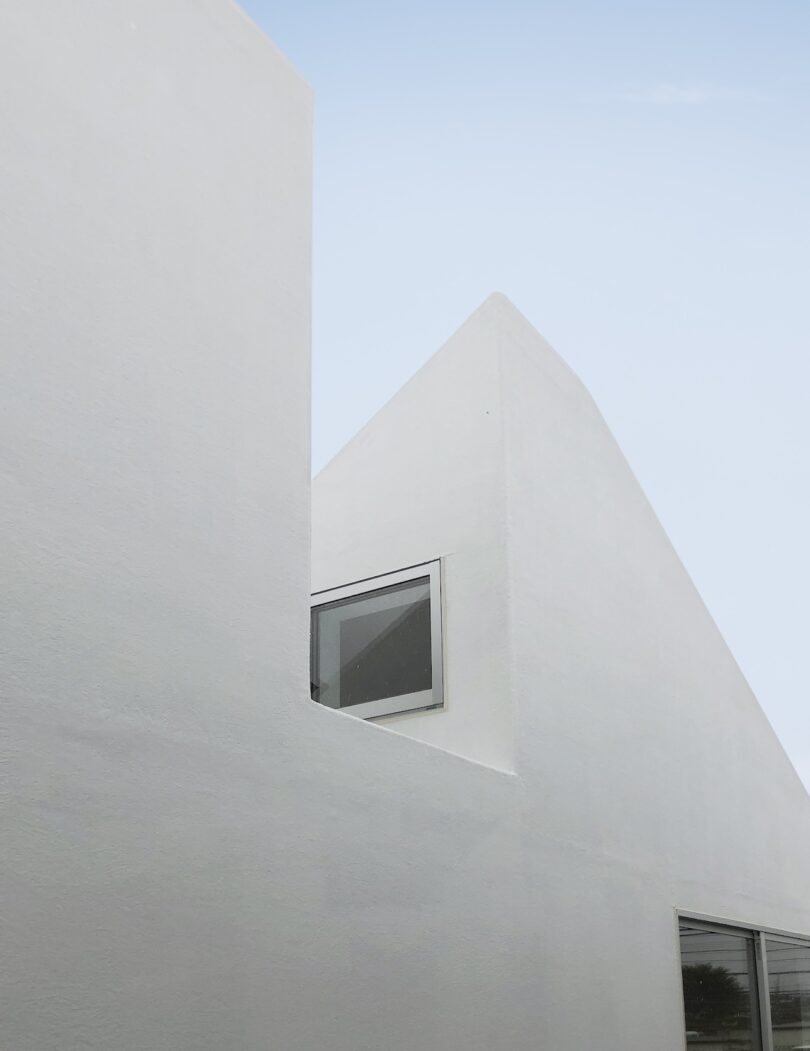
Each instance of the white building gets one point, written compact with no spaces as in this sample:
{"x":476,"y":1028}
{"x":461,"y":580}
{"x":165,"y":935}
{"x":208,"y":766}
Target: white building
{"x":198,"y":857}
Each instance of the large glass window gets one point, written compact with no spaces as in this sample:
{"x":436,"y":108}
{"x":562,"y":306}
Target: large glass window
{"x":789,"y":990}
{"x":376,"y":645}
{"x":720,"y":989}
{"x":744,"y":989}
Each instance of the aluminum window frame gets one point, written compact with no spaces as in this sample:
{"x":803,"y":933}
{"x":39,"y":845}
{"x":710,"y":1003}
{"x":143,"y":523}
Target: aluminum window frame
{"x":760,"y":936}
{"x":423,"y":700}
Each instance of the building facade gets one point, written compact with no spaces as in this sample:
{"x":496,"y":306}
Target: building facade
{"x":542,"y":853}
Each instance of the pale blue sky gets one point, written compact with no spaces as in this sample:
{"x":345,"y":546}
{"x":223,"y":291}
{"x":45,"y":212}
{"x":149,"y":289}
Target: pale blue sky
{"x":635,"y":176}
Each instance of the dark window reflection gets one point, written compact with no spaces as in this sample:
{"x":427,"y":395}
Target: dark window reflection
{"x":385,"y":654}
{"x":373,"y":646}
{"x":719,"y":990}
{"x":789,"y":987}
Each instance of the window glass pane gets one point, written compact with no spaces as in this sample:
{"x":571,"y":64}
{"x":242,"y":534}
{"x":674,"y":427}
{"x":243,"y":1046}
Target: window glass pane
{"x":373,"y":646}
{"x":719,"y":990}
{"x":789,"y":987}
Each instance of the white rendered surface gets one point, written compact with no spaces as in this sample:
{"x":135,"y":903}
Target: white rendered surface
{"x":648,"y":776}
{"x":425,"y":480}
{"x":155,"y":171}
{"x":196,"y":857}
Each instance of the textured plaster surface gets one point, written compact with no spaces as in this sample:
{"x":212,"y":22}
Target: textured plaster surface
{"x":197,"y":858}
{"x":648,"y":777}
{"x":425,"y":480}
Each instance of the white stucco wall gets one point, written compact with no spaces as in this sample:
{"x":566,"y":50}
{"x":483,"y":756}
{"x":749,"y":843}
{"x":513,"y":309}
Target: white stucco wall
{"x":637,"y":734}
{"x":648,"y":776}
{"x":155,"y":170}
{"x":425,"y":480}
{"x":195,"y":857}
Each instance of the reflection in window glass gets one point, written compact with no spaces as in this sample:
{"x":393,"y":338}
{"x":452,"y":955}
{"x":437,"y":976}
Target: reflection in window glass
{"x":789,"y":987}
{"x":719,"y":990}
{"x":372,"y":648}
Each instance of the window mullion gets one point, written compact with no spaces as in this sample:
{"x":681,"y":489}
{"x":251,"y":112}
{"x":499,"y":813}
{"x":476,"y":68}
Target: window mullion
{"x":764,"y":993}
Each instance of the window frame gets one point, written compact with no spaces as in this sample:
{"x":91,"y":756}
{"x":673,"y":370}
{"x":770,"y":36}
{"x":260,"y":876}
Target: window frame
{"x":424,"y":700}
{"x":760,"y":936}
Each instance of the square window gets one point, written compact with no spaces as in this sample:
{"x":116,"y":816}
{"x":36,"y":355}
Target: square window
{"x":376,"y":646}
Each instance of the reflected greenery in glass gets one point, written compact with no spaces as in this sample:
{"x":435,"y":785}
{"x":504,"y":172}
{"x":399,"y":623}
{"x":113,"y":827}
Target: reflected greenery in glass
{"x":719,"y":990}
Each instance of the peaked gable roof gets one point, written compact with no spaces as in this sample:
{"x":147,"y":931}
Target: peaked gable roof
{"x":578,"y":651}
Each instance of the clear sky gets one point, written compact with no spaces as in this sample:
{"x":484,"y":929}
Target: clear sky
{"x":635,"y":176}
